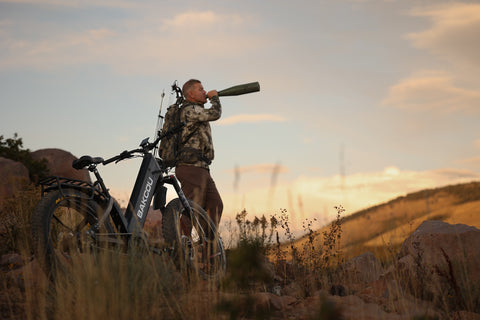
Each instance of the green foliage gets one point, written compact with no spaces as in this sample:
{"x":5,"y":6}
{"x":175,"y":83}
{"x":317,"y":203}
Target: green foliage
{"x":12,"y":148}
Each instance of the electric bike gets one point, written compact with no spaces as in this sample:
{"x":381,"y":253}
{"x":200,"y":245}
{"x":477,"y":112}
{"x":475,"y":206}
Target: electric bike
{"x":76,"y":217}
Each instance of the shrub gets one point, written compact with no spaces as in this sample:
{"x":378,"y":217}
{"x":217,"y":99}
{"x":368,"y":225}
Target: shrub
{"x":12,"y":148}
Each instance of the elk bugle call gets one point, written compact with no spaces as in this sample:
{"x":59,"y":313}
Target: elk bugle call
{"x":240,"y":89}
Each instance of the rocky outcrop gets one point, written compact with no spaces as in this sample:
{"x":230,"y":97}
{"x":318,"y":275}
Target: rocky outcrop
{"x":13,"y":174}
{"x":441,"y":262}
{"x":59,"y":162}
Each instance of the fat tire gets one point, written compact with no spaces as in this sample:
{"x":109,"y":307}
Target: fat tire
{"x":44,"y":246}
{"x":203,"y":231}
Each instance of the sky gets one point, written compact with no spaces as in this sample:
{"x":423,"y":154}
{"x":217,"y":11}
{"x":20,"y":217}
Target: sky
{"x":361,"y":101}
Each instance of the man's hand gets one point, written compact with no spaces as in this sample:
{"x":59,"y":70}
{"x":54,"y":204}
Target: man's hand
{"x":212,"y":93}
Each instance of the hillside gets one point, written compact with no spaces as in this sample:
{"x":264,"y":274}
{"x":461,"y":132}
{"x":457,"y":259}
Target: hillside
{"x":384,"y":227}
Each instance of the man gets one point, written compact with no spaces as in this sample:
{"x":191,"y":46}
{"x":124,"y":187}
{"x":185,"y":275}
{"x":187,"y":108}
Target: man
{"x":196,"y":150}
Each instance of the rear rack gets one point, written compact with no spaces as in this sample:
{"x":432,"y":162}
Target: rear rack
{"x":60,"y":183}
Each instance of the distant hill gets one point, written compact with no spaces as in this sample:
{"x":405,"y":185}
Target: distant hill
{"x":385,"y":226}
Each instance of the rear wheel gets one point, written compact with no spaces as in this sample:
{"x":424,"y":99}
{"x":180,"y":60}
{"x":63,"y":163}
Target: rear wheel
{"x":197,"y":245}
{"x":64,"y":227}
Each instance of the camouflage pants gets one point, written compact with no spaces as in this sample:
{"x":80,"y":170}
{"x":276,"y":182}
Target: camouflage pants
{"x":198,"y":185}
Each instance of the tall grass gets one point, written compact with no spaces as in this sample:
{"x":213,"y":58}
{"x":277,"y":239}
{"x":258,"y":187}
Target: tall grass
{"x":141,"y":285}
{"x":15,"y":216}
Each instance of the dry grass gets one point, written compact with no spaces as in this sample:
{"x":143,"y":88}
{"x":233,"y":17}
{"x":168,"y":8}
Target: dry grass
{"x":383,"y":228}
{"x":145,"y":286}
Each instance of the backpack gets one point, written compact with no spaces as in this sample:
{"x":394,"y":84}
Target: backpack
{"x":170,"y":146}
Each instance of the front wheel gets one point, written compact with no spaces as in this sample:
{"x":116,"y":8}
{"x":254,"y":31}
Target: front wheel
{"x":194,"y":239}
{"x":63,"y":228}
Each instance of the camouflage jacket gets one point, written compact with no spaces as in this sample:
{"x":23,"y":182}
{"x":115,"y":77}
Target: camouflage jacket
{"x":196,"y":142}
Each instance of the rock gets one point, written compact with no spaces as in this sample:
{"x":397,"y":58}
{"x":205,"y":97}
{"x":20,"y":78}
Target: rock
{"x":13,"y":174}
{"x":412,"y":308}
{"x":357,"y":272}
{"x":439,"y":262}
{"x":59,"y":162}
{"x":352,"y":307}
{"x":294,"y":289}
{"x":11,"y":261}
{"x":259,"y":304}
{"x":465,"y":315}
{"x":386,"y":288}
{"x":269,"y":301}
{"x":29,"y":275}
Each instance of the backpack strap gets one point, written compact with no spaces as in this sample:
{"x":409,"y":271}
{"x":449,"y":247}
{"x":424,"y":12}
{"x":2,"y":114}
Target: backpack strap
{"x":180,"y":147}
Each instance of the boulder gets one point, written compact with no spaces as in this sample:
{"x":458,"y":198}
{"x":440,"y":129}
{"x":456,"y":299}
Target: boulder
{"x":59,"y":162}
{"x":13,"y":174}
{"x":439,"y":262}
{"x":359,"y":271}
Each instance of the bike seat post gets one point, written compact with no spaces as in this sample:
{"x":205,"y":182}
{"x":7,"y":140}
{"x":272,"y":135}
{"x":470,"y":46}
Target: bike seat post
{"x":93,"y":168}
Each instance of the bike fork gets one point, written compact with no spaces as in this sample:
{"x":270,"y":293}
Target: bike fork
{"x":173,"y":181}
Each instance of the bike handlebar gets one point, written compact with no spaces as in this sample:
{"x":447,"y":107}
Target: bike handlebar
{"x":147,"y":147}
{"x":124,"y":155}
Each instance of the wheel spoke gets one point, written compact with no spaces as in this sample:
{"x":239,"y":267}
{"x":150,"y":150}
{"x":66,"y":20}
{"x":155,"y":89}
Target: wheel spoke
{"x":76,"y":228}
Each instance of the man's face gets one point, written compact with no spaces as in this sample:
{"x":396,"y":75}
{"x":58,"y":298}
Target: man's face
{"x":197,"y":94}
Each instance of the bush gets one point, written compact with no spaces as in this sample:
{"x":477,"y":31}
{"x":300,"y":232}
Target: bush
{"x":12,"y":148}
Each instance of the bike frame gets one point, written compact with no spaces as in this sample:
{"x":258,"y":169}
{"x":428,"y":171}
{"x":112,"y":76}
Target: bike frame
{"x":150,"y":181}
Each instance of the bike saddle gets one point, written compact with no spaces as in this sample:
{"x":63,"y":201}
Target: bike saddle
{"x":85,"y":161}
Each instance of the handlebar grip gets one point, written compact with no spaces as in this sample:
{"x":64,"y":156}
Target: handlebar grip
{"x":110,"y":160}
{"x":125,"y":154}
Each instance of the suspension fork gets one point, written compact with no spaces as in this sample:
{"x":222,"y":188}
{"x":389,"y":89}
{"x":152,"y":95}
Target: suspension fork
{"x":171,"y":179}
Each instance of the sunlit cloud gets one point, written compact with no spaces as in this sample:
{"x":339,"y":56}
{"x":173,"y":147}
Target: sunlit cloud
{"x":201,"y":19}
{"x":454,"y":32}
{"x":432,"y":91}
{"x":251,"y":118}
{"x":453,"y":35}
{"x":475,"y":161}
{"x":315,"y":197}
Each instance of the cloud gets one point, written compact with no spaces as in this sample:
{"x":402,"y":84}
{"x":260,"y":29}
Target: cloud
{"x":454,"y":32}
{"x":475,"y":161}
{"x":76,"y":3}
{"x":250,"y":118}
{"x":432,"y":91}
{"x":262,"y":168}
{"x":129,"y":45}
{"x":453,"y":35}
{"x":202,"y":19}
{"x":92,"y":45}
